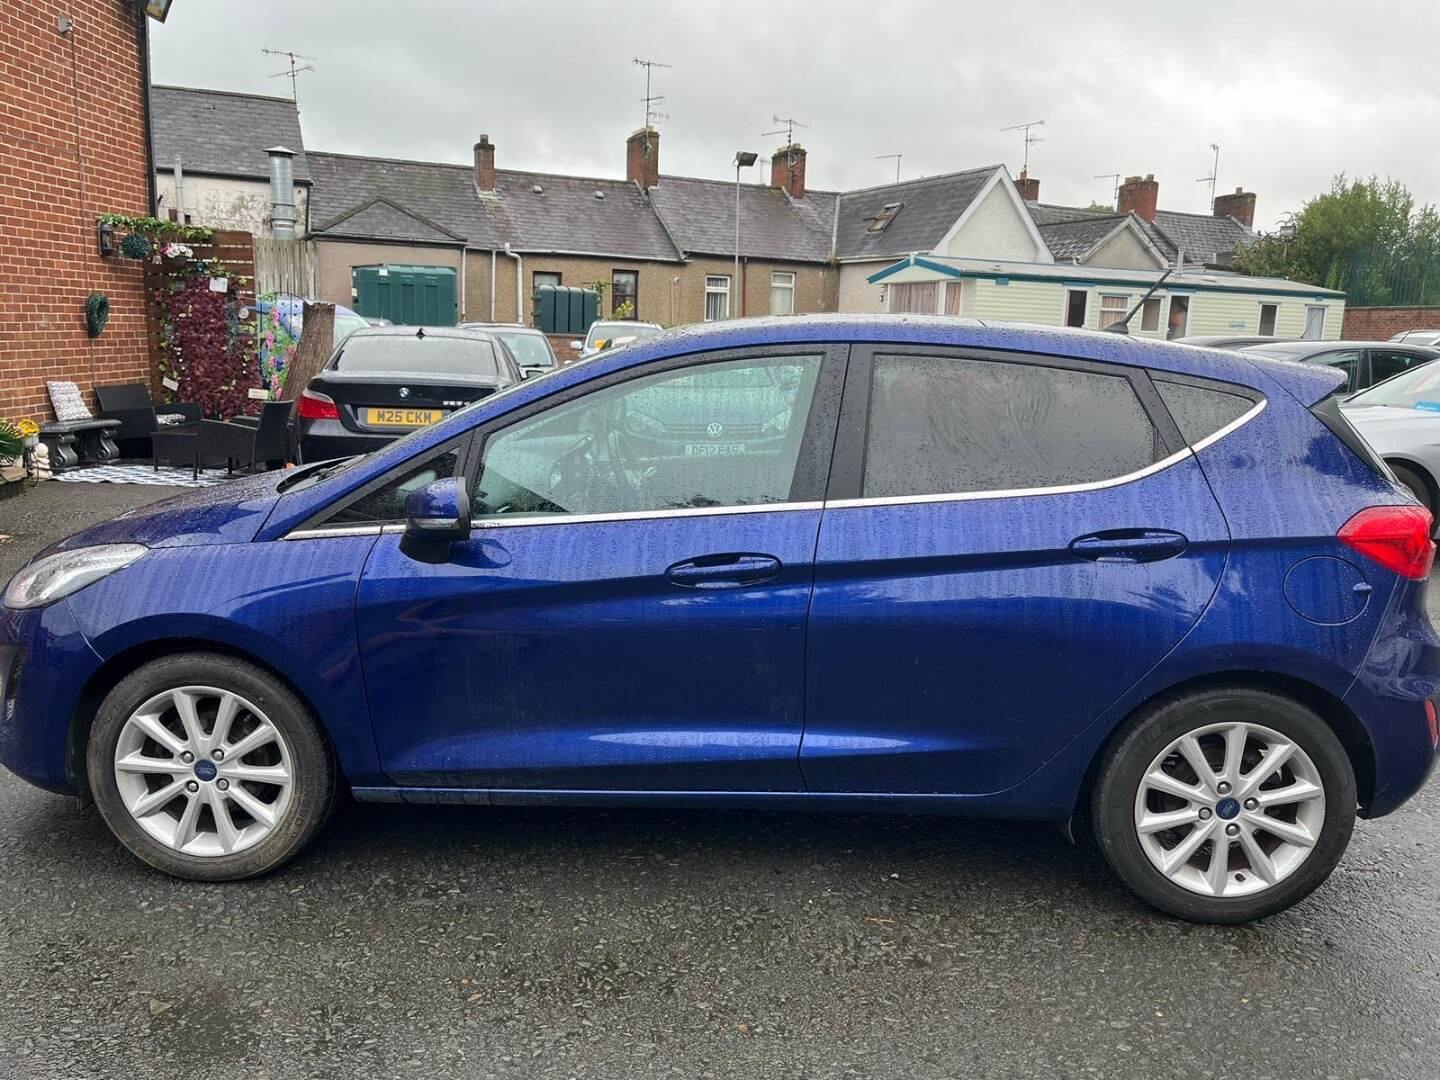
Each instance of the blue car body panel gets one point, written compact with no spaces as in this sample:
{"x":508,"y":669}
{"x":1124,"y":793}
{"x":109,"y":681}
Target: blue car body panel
{"x":946,"y":655}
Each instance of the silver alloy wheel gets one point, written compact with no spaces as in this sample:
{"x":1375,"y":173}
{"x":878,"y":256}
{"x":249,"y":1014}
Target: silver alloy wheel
{"x":1230,"y":809}
{"x":203,"y":771}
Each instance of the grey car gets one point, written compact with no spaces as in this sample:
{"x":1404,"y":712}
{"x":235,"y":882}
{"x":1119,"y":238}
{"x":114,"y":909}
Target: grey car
{"x":1365,"y":363}
{"x":1400,"y":419}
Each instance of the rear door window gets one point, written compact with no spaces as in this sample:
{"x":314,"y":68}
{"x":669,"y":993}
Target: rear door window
{"x":950,"y":425}
{"x":1385,"y":363}
{"x":1348,"y":361}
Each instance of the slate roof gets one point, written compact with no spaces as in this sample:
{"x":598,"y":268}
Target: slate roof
{"x":701,"y":217}
{"x":217,"y":133}
{"x":1074,"y":239}
{"x":564,"y":215}
{"x":931,"y":206}
{"x":1203,"y":238}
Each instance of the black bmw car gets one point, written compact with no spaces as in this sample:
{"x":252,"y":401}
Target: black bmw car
{"x":386,"y":381}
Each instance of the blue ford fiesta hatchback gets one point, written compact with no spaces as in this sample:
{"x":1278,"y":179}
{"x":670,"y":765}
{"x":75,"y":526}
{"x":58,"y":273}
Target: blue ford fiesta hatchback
{"x":933,"y":565}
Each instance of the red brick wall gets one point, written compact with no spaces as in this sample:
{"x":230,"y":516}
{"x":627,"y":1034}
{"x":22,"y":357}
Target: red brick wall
{"x":72,"y":146}
{"x":1383,"y":323}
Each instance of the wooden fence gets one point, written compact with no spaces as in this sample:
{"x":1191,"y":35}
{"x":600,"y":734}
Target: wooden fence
{"x":285,"y":266}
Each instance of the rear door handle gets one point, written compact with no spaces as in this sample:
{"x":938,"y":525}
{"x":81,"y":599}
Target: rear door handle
{"x":1130,"y":545}
{"x":728,"y":571}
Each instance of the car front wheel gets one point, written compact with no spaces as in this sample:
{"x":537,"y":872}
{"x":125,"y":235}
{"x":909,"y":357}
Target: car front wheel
{"x":207,"y":767}
{"x":1224,"y":805}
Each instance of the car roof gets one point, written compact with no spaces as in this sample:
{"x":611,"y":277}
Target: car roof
{"x":497,"y":327}
{"x":421,"y":332}
{"x":1311,"y":348}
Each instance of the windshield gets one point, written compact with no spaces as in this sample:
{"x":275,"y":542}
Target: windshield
{"x":409,"y":352}
{"x":1418,"y":388}
{"x":531,"y":350}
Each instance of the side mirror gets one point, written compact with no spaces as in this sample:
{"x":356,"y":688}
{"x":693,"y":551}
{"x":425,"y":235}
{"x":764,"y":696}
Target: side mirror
{"x":531,"y":372}
{"x":438,"y":513}
{"x":578,"y":346}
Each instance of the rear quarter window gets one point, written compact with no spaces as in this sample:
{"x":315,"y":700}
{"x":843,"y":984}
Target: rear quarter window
{"x":1200,"y":411}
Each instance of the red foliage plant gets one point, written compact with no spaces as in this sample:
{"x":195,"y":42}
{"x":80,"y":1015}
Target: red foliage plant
{"x":206,"y":351}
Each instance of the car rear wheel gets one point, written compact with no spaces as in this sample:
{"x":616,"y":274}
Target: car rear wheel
{"x":207,"y":767}
{"x":1224,"y":805}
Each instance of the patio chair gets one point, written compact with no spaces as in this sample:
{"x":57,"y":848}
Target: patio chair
{"x":131,"y":404}
{"x":247,"y":444}
{"x":76,"y":435}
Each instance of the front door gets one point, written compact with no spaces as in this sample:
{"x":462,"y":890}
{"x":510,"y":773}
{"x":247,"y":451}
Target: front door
{"x":1012,"y":544}
{"x":629,"y":612}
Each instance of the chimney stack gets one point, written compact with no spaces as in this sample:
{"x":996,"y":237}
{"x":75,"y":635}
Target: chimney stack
{"x":485,"y":164}
{"x":787,"y":170}
{"x":1028,"y":187}
{"x":1140,"y":196}
{"x":1240,"y":206}
{"x":282,"y":192}
{"x":642,"y":158}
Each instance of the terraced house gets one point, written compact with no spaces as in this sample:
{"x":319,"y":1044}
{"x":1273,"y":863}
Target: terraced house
{"x":478,"y":239}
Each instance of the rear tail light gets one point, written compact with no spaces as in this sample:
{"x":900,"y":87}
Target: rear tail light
{"x":1430,"y":719}
{"x":1396,"y":537}
{"x":316,"y":406}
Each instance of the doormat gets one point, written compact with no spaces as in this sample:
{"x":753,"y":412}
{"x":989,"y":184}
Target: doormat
{"x":164,"y":476}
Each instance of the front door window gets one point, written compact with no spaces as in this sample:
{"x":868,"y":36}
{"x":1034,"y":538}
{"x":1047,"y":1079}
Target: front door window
{"x":709,"y":435}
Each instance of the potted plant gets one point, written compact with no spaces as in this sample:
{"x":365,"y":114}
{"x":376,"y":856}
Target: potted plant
{"x":12,"y":448}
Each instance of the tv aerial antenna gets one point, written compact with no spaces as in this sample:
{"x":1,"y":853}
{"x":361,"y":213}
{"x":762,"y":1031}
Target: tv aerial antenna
{"x":298,"y":62}
{"x":1115,"y":176}
{"x":788,"y":130}
{"x":1030,"y":139}
{"x":1214,"y":174}
{"x":887,"y":157}
{"x":652,"y":99}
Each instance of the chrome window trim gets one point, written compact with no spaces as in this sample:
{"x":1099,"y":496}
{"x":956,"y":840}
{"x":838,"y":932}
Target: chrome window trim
{"x":510,"y":521}
{"x":1058,"y":489}
{"x":514,"y":521}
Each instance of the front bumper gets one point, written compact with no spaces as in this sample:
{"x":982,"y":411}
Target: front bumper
{"x":37,"y":707}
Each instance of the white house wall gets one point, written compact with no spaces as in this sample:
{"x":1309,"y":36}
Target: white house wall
{"x":993,"y":229}
{"x":223,"y":203}
{"x":857,"y":295}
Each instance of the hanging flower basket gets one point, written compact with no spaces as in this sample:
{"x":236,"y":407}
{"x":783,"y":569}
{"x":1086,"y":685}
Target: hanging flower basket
{"x":176,"y":254}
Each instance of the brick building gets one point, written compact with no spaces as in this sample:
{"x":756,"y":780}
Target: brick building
{"x":73,"y":145}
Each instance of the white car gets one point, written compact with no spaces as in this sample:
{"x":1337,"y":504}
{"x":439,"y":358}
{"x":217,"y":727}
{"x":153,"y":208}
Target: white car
{"x":613,"y":334}
{"x":1418,"y":337}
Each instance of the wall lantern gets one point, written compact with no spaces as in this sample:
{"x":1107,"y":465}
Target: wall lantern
{"x":105,"y":239}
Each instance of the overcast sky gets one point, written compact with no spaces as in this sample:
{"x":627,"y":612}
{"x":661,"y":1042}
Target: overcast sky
{"x":1292,"y":93}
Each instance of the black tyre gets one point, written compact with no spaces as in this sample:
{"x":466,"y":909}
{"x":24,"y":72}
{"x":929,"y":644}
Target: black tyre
{"x":209,"y":768}
{"x":1224,"y":805}
{"x":1414,"y":483}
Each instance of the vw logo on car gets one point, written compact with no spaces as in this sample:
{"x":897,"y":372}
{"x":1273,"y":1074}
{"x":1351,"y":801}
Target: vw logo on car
{"x":714,"y":430}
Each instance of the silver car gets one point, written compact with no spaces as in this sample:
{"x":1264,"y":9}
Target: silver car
{"x":1400,"y":419}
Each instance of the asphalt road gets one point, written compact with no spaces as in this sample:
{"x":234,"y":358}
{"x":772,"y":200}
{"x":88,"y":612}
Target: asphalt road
{"x":576,"y":943}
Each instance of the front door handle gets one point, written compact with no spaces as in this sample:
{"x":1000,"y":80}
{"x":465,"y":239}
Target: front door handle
{"x":727,"y":571}
{"x":1130,"y":545}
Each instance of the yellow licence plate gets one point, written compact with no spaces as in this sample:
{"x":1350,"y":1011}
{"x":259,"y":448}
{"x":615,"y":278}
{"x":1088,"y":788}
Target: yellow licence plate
{"x":402,"y":417}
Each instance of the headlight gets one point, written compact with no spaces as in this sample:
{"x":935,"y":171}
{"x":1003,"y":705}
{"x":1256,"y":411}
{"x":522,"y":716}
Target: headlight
{"x":48,"y":579}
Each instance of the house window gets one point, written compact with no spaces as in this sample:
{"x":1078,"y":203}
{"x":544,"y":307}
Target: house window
{"x":624,"y":294}
{"x":952,"y":297}
{"x":782,"y":293}
{"x":543,"y":277}
{"x":1267,"y":319}
{"x":1076,"y":301}
{"x":1179,"y":317}
{"x":1314,"y":322}
{"x":1150,"y":315}
{"x":717,"y":297}
{"x":1112,"y":309}
{"x":884,"y":217}
{"x":915,"y":298}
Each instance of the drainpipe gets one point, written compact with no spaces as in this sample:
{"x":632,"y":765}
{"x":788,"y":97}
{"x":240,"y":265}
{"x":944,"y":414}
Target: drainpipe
{"x":179,"y":190}
{"x":463,"y":300}
{"x":492,"y":285}
{"x":151,"y":187}
{"x":519,"y":285}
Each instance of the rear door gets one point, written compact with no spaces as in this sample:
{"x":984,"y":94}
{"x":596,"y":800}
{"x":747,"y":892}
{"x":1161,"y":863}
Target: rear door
{"x":1009,"y":543}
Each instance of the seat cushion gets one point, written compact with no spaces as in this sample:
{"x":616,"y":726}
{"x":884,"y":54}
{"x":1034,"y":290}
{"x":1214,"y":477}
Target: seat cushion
{"x":66,"y":400}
